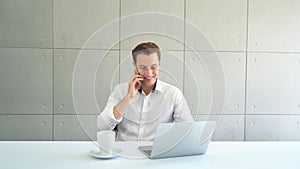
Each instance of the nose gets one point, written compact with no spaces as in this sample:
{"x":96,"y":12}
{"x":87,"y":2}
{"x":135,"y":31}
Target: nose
{"x":148,"y":72}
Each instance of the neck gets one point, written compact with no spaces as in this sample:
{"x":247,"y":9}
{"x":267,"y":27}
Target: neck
{"x":148,"y":89}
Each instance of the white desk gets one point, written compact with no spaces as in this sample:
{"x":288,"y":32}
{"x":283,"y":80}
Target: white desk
{"x":75,"y":155}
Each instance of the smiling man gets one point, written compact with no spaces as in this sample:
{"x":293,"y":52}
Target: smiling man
{"x":135,"y":109}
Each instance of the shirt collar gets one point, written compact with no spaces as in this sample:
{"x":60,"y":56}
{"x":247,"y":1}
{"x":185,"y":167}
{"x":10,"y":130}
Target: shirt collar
{"x":157,"y":86}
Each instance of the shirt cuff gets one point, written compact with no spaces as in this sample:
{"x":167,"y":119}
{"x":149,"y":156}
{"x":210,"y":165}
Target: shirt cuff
{"x":111,"y":120}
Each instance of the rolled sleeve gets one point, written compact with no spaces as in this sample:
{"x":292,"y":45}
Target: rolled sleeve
{"x":106,"y":120}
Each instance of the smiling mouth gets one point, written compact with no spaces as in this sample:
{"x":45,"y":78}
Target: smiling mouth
{"x":148,"y":78}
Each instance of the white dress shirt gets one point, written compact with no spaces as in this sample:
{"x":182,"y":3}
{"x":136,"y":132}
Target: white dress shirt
{"x":165,"y":103}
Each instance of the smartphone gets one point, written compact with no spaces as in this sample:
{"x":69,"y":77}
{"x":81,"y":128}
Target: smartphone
{"x":142,"y":77}
{"x":139,"y":74}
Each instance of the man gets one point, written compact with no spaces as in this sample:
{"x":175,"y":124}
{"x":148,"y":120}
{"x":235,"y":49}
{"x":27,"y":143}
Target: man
{"x":135,"y":109}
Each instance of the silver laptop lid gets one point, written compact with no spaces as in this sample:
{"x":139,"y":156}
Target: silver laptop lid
{"x":182,"y":139}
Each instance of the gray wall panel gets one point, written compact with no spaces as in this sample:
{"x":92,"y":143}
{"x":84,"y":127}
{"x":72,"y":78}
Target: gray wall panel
{"x":170,"y":7}
{"x":76,"y":21}
{"x":234,"y":66}
{"x":224,"y":23}
{"x":274,"y":26}
{"x":64,"y":63}
{"x":197,"y":84}
{"x":72,"y":127}
{"x":106,"y":78}
{"x":25,"y":127}
{"x":198,"y":89}
{"x":26,"y":23}
{"x":126,"y":66}
{"x":172,"y":68}
{"x":273,"y":83}
{"x":229,"y":128}
{"x":272,"y":127}
{"x":26,"y":81}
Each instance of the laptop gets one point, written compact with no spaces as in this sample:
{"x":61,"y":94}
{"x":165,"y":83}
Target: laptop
{"x":180,"y":139}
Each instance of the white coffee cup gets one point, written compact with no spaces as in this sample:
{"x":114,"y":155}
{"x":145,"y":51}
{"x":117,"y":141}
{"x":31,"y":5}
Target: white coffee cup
{"x":106,"y":141}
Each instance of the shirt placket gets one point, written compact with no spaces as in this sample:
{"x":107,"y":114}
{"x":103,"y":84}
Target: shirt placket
{"x":143,"y":114}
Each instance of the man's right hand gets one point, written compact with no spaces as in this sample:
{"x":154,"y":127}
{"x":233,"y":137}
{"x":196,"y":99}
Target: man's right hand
{"x":134,"y":85}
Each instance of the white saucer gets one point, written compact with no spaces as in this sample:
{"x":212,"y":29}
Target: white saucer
{"x":97,"y":153}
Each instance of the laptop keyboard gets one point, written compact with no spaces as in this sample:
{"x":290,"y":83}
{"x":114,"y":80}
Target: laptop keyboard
{"x":148,"y":152}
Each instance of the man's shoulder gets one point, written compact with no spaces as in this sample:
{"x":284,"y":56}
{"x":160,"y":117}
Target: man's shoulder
{"x":169,"y":87}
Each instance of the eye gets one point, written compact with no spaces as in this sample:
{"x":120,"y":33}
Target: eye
{"x":154,"y":66}
{"x":143,"y":67}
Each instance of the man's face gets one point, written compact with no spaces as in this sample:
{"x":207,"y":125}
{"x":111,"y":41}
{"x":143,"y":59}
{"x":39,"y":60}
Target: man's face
{"x":148,"y":66}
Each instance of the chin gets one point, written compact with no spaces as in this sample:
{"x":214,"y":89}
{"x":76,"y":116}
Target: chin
{"x":150,"y":82}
